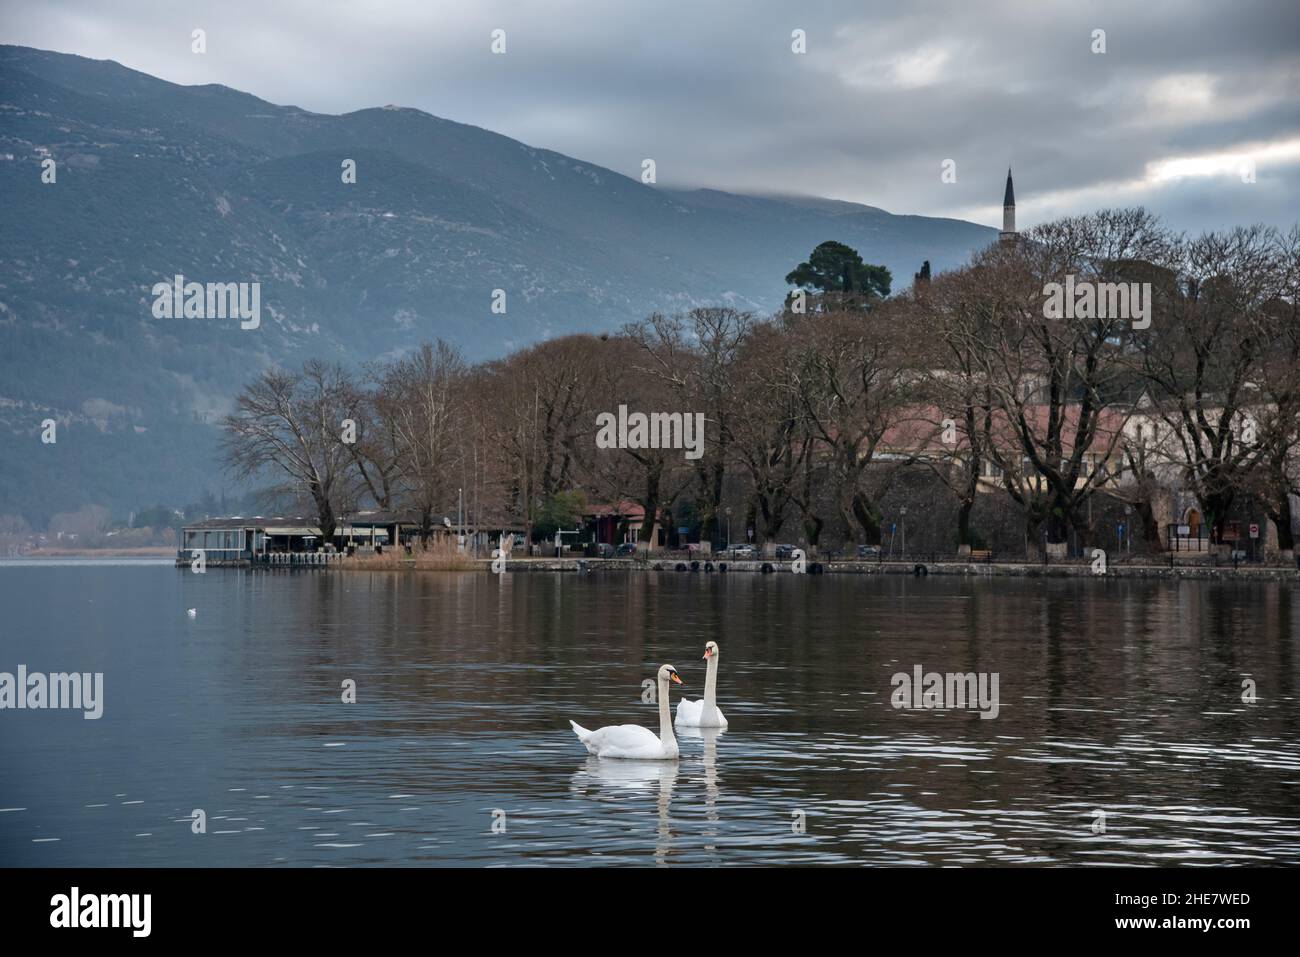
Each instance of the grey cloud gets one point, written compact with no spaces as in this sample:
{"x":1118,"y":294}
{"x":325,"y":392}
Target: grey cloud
{"x":712,"y":92}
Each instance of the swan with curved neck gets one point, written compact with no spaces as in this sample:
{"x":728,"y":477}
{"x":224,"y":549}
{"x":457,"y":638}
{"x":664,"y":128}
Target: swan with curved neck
{"x":631,"y":741}
{"x":704,"y":713}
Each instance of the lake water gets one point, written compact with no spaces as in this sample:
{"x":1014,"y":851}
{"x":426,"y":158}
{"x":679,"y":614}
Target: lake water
{"x":1115,"y":696}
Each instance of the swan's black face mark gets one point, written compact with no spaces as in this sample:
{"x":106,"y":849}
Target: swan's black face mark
{"x":673,"y":676}
{"x":708,"y":653}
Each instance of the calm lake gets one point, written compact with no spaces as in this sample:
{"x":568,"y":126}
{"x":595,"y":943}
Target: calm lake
{"x":1118,"y":696}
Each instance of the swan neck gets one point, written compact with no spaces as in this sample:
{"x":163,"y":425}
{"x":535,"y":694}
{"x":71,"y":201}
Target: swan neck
{"x":711,"y":683}
{"x":666,"y":737}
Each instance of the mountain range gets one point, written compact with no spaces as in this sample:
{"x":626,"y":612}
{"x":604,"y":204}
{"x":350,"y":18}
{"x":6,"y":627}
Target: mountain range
{"x":154,"y":180}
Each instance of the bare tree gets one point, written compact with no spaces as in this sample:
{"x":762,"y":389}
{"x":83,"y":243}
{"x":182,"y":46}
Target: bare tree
{"x":654,"y":478}
{"x":960,"y":425}
{"x":769,"y":433}
{"x":376,"y":448}
{"x":423,"y":397}
{"x":544,"y":399}
{"x":694,"y":358}
{"x":848,"y":375}
{"x":288,"y":425}
{"x":1277,"y":479}
{"x":1059,"y":382}
{"x":1203,"y":361}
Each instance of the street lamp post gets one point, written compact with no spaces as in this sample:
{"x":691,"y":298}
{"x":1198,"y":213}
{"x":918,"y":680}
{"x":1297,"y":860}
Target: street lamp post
{"x":902,"y":524}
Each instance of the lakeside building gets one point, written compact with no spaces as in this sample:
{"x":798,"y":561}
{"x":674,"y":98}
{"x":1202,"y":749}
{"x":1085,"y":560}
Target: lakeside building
{"x":1133,"y":445}
{"x":920,"y":434}
{"x":617,"y":524}
{"x":238,"y":539}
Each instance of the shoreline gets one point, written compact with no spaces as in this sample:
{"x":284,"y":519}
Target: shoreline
{"x":914,"y":568}
{"x":948,"y":568}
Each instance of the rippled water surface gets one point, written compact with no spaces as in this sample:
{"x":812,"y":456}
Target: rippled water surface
{"x":1122,"y":697}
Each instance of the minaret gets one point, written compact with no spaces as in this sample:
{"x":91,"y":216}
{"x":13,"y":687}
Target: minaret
{"x":1008,"y":211}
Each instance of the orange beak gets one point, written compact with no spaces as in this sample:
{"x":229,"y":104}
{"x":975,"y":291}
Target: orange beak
{"x":708,"y":653}
{"x":676,"y":679}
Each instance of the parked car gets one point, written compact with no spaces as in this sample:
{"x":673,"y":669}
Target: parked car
{"x":785,"y":552}
{"x":868,"y":551}
{"x":740,"y":552}
{"x":626,"y":550}
{"x":604,"y":550}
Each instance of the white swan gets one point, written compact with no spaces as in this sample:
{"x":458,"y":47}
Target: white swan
{"x":704,"y":713}
{"x":631,"y":741}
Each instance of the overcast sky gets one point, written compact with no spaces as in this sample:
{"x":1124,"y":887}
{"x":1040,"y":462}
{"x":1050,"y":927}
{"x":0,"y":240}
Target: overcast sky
{"x":1185,"y":94}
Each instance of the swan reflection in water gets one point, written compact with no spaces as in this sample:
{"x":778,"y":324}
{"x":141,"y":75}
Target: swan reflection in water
{"x":710,"y":737}
{"x":627,"y":778}
{"x":603,"y":780}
